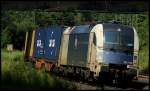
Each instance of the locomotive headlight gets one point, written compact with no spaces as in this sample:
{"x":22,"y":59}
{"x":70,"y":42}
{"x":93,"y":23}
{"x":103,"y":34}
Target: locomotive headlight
{"x":135,"y":60}
{"x":131,"y":66}
{"x":128,"y":66}
{"x":99,"y":56}
{"x":125,"y":62}
{"x":118,"y":29}
{"x":130,"y":63}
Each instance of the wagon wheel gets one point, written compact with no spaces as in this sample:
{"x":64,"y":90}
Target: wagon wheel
{"x":52,"y":67}
{"x":42,"y":68}
{"x":37,"y":65}
{"x":55,"y":70}
{"x":63,"y":72}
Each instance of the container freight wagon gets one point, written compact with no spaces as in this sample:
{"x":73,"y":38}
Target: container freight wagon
{"x":92,"y":51}
{"x":45,"y":46}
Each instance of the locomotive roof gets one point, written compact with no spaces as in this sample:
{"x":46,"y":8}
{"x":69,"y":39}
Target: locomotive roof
{"x":106,"y":26}
{"x":82,"y":29}
{"x":115,"y":27}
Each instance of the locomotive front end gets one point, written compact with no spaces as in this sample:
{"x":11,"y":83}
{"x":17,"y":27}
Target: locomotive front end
{"x":120,"y":52}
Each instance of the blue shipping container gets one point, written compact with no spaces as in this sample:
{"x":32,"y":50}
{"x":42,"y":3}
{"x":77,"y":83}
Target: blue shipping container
{"x":39,"y":43}
{"x":52,"y":42}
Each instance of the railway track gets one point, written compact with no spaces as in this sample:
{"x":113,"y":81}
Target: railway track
{"x":90,"y":85}
{"x":141,"y":84}
{"x":131,"y":86}
{"x":143,"y":79}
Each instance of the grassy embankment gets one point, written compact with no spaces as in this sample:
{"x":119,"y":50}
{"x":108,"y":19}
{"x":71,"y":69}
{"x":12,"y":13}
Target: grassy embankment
{"x":18,"y":74}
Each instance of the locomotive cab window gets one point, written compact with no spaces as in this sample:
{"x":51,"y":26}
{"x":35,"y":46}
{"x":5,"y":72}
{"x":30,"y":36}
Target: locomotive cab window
{"x":111,"y":37}
{"x":80,"y":39}
{"x":127,"y":38}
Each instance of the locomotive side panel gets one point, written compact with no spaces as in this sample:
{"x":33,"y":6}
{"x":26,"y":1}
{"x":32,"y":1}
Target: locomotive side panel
{"x":136,"y":48}
{"x":96,"y":57}
{"x":78,"y":46}
{"x":92,"y":52}
{"x":64,"y":47}
{"x":78,"y":49}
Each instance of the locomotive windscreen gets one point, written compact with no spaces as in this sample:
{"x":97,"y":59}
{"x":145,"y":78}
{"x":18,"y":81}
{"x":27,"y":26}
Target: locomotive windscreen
{"x":118,"y":44}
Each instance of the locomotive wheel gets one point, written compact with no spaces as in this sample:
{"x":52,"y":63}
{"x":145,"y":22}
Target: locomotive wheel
{"x":124,"y":79}
{"x":83,"y":76}
{"x":65,"y":72}
{"x":91,"y":77}
{"x":47,"y":67}
{"x":61,"y":71}
{"x":55,"y":70}
{"x":52,"y":67}
{"x":116,"y":79}
{"x":86,"y":75}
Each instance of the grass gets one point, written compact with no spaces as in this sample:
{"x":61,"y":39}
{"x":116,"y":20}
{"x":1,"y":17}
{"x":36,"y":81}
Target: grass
{"x":18,"y":74}
{"x":144,"y":61}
